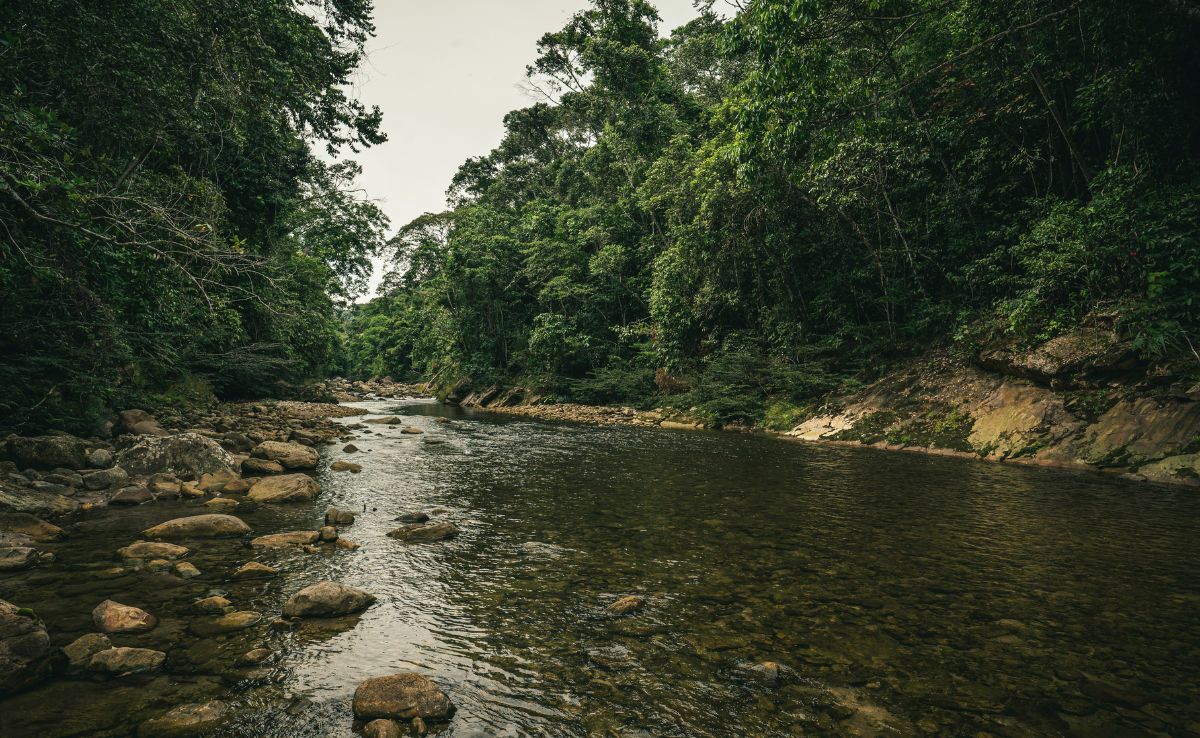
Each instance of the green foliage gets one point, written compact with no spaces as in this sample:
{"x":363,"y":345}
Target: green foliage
{"x":768,"y":207}
{"x":163,"y":215}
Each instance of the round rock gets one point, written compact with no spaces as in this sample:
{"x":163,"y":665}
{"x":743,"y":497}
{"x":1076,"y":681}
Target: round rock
{"x":401,"y":696}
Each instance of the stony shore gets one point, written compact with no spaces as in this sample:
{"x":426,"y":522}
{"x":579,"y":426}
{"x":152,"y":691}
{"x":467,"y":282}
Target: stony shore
{"x":207,"y":467}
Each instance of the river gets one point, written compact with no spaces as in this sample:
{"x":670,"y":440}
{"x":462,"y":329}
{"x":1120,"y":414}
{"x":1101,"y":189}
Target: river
{"x":898,"y":594}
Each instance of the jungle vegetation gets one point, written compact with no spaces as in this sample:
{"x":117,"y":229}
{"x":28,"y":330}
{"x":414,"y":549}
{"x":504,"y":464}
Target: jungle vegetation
{"x":783,"y":196}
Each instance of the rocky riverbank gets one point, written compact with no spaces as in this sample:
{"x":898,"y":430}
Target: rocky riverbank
{"x":206,"y":470}
{"x":1080,"y":401}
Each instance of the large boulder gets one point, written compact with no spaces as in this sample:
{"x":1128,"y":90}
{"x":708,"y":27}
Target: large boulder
{"x":113,"y":617}
{"x":286,"y":488}
{"x":48,"y":452}
{"x":184,"y":455}
{"x":290,"y":455}
{"x":403,"y":696}
{"x":327,"y":600}
{"x":211,"y":525}
{"x":139,"y":423}
{"x":186,"y":721}
{"x":123,"y":661}
{"x":24,"y":649}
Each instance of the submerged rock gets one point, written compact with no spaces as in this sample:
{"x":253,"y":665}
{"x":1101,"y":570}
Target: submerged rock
{"x":254,"y":570}
{"x":32,"y":527}
{"x":383,"y":729}
{"x":184,"y":455}
{"x":340,"y":466}
{"x":414,"y":517}
{"x":80,"y":651}
{"x":327,"y":534}
{"x":288,"y":455}
{"x":283,"y":540}
{"x":228,"y":623}
{"x":213,"y":604}
{"x":113,"y":617}
{"x":424,"y":533}
{"x":401,"y":696}
{"x":186,"y":570}
{"x":24,"y":649}
{"x":186,"y":721}
{"x":152,"y":550}
{"x":254,"y":657}
{"x":123,"y":661}
{"x":17,"y":558}
{"x":338,"y":516}
{"x":327,"y":599}
{"x":287,"y":488}
{"x":211,"y":525}
{"x":627,"y":605}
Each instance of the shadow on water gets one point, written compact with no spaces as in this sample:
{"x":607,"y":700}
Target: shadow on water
{"x":898,"y":594}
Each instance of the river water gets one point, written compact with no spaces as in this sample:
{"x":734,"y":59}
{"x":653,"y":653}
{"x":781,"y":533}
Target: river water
{"x":899,"y":594}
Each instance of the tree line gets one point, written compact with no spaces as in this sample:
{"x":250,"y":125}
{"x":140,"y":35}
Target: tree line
{"x":783,"y":196}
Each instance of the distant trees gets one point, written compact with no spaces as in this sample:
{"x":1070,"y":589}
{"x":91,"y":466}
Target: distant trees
{"x":764,"y":206}
{"x":162,"y":213}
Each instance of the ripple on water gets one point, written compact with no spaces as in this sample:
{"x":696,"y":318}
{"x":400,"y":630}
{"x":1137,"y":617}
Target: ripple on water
{"x":898,"y":594}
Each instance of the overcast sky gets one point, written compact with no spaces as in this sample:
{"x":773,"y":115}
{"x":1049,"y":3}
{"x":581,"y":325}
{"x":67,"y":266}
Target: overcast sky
{"x":444,"y":74}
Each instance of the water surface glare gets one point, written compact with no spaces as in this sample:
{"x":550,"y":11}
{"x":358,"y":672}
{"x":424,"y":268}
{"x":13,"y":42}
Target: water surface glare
{"x":900,"y":594}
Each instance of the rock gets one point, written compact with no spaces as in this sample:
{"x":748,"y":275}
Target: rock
{"x":24,"y":649}
{"x":418,"y":726}
{"x":211,"y":525}
{"x":48,"y":452}
{"x":32,"y":527}
{"x":1140,"y":430}
{"x":386,"y":420}
{"x":411,"y":431}
{"x":286,"y":488}
{"x":221,"y":503}
{"x":139,"y":423}
{"x":383,"y":729}
{"x":157,"y":565}
{"x":48,"y":504}
{"x":254,"y":570}
{"x":1182,"y":469}
{"x":254,"y":657}
{"x":327,"y":534}
{"x":17,"y":558}
{"x":213,"y":604}
{"x":770,"y":672}
{"x":289,"y":455}
{"x":350,"y":448}
{"x":183,"y":455}
{"x":327,"y":599}
{"x":283,"y":540}
{"x":113,"y":617}
{"x":152,"y":550}
{"x":238,"y":486}
{"x":338,"y":516}
{"x":100,"y":458}
{"x":104,"y":478}
{"x":213,"y":483}
{"x":1088,"y":350}
{"x":136,"y":495}
{"x":164,"y":485}
{"x":186,"y":721}
{"x":191,"y":490}
{"x":401,"y":696}
{"x":426,"y":532}
{"x":123,"y":661}
{"x":80,"y":651}
{"x":627,"y":605}
{"x":261,"y":466}
{"x":345,"y":544}
{"x":415,"y":517}
{"x":339,"y":466}
{"x":186,"y":570}
{"x":229,"y":623}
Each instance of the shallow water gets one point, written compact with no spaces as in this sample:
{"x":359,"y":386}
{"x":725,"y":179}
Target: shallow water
{"x":901,"y":594}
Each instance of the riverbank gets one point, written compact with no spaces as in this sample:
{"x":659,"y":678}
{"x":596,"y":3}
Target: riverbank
{"x":1080,"y":401}
{"x":141,"y":569}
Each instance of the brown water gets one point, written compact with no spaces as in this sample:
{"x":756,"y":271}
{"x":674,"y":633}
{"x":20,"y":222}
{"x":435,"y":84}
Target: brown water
{"x":902,"y":594}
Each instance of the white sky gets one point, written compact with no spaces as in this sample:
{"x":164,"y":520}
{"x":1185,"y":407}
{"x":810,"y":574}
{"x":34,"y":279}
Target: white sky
{"x":444,"y":74}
